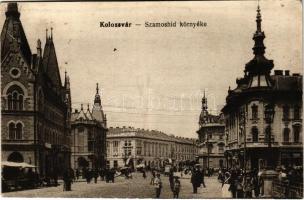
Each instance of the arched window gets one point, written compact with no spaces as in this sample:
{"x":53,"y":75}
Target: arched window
{"x":286,"y":134}
{"x":15,"y":131}
{"x":19,"y":131}
{"x":254,"y":110}
{"x":285,"y":112}
{"x":255,"y":134}
{"x":296,"y":134}
{"x":11,"y":131}
{"x":296,"y":112}
{"x":15,"y":98}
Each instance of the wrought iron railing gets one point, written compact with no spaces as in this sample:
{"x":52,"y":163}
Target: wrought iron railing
{"x":286,"y":189}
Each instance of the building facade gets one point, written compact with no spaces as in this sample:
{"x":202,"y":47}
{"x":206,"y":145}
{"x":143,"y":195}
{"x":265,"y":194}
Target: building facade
{"x":89,"y":130}
{"x":35,"y":106}
{"x":211,"y":136}
{"x":131,"y":147}
{"x":254,"y":138}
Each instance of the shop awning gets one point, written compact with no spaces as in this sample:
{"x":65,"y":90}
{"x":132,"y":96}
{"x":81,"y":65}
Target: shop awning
{"x":16,"y":164}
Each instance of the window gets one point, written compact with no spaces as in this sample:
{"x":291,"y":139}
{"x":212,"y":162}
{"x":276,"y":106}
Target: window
{"x":15,"y":98}
{"x":115,"y":147}
{"x":285,"y":112}
{"x":267,"y":133}
{"x":138,"y":152}
{"x":15,"y":131}
{"x":108,"y":148}
{"x":286,"y":134}
{"x":90,"y":145}
{"x":255,"y":134}
{"x":254,"y":110}
{"x":11,"y":131}
{"x":296,"y":112}
{"x":296,"y":134}
{"x":209,"y":148}
{"x":221,"y":148}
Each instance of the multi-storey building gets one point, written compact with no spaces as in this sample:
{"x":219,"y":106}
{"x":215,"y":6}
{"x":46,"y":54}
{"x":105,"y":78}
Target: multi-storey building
{"x":130,"y":146}
{"x":89,"y":130}
{"x":251,"y":134}
{"x":35,"y":106}
{"x":211,"y":136}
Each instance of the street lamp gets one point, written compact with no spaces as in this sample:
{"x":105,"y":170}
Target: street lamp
{"x":269,"y":175}
{"x":243,"y":131}
{"x":269,"y":115}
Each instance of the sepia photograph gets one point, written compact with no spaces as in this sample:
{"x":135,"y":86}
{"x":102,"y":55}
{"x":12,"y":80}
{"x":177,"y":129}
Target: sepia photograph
{"x":160,"y":99}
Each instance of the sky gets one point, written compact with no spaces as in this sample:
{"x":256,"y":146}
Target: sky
{"x":157,"y":76}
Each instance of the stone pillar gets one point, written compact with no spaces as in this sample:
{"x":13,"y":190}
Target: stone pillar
{"x":268,"y":177}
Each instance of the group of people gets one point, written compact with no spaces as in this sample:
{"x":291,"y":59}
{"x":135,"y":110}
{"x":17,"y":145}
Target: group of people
{"x":237,"y":184}
{"x":197,"y":178}
{"x":175,"y":184}
{"x":107,"y":174}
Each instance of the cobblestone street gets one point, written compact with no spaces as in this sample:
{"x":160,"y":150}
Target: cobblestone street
{"x":124,"y":188}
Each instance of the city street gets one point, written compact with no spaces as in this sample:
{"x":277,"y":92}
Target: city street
{"x":124,"y":188}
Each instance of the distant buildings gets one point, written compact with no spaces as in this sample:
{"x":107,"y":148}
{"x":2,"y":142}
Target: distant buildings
{"x":211,"y":135}
{"x":130,"y":146}
{"x":254,"y":134}
{"x":35,"y":105}
{"x":89,"y":130}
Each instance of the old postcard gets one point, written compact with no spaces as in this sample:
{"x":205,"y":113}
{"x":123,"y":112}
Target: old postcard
{"x":161,"y":99}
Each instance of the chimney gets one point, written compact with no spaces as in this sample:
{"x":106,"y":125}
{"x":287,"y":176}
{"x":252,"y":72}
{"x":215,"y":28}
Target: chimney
{"x":286,"y":72}
{"x":278,"y":72}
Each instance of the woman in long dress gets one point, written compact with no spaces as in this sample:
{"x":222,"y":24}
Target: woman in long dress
{"x":226,"y":185}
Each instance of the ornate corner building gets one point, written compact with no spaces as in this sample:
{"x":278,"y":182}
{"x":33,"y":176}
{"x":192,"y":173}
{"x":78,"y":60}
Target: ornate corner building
{"x":35,"y":106}
{"x":253,"y":137}
{"x":89,"y":133}
{"x":211,"y":135}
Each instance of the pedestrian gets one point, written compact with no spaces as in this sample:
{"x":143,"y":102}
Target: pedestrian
{"x":171,"y":179}
{"x":102,"y":174}
{"x":153,"y":177}
{"x":107,"y":174}
{"x":239,"y":186}
{"x":66,"y":180}
{"x":256,"y":186}
{"x":112,"y":174}
{"x":195,"y":180}
{"x":176,"y":187}
{"x":77,"y":174}
{"x":202,"y":173}
{"x":157,"y":185}
{"x":226,"y":193}
{"x":95,"y":175}
{"x":247,"y":186}
{"x":144,"y":174}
